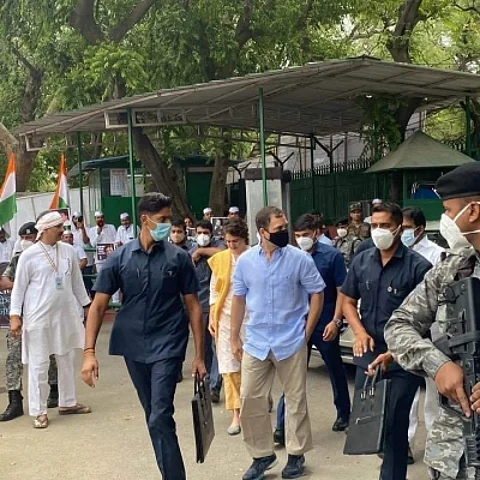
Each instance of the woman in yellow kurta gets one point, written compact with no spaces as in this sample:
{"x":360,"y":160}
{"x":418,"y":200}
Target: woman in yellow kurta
{"x":235,"y":233}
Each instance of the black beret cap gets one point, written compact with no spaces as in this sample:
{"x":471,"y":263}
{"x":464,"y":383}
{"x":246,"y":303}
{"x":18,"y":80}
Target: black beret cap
{"x":463,"y":181}
{"x":28,"y":229}
{"x":342,"y":221}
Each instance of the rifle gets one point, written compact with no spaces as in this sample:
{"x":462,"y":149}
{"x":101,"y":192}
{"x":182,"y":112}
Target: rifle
{"x":462,"y":344}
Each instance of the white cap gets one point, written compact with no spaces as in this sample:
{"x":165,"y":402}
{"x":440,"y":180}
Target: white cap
{"x":124,"y":215}
{"x":233,"y":210}
{"x":98,"y":213}
{"x":207,"y":210}
{"x":76,"y":214}
{"x":376,"y":201}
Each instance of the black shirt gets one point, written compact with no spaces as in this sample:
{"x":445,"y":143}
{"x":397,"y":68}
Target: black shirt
{"x":382,"y":289}
{"x":152,"y":323}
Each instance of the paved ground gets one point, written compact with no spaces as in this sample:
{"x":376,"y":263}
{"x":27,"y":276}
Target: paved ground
{"x":112,"y":443}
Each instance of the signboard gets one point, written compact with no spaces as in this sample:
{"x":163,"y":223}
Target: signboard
{"x":218,"y":223}
{"x":104,"y":250}
{"x":118,"y":182}
{"x":5,"y":310}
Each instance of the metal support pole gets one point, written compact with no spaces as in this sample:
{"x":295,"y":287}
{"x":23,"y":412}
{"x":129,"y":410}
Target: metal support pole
{"x":468,"y":125}
{"x":132,"y":172}
{"x":262,"y":146}
{"x":80,"y":170}
{"x":312,"y":169}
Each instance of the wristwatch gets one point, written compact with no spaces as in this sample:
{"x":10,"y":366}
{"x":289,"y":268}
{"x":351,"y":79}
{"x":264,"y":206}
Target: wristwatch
{"x":338,"y":322}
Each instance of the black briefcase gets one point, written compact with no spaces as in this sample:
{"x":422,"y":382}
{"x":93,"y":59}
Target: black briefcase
{"x":366,"y":430}
{"x":202,"y":418}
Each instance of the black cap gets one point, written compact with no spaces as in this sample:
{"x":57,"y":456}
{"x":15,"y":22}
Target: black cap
{"x":342,"y":221}
{"x":28,"y":229}
{"x":463,"y":181}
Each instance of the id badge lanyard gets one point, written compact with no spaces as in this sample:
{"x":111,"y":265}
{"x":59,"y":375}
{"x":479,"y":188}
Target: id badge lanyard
{"x":58,"y":278}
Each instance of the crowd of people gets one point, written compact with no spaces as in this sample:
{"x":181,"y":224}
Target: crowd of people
{"x":255,"y":312}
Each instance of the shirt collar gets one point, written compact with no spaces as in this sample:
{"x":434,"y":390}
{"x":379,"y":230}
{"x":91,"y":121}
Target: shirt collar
{"x":277,"y":252}
{"x":136,"y":245}
{"x":399,"y":253}
{"x":423,"y":242}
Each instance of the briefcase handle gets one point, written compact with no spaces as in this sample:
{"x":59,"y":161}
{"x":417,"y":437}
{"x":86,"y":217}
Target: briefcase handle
{"x":369,"y":390}
{"x":199,"y":386}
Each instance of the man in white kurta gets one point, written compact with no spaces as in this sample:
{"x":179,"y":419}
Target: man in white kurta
{"x":48,"y":285}
{"x":125,"y":230}
{"x":6,"y":247}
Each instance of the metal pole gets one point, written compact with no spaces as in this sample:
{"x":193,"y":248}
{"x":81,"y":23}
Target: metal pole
{"x":468,"y":127}
{"x":262,"y":146}
{"x":312,"y":170}
{"x":132,"y":171}
{"x":80,"y":171}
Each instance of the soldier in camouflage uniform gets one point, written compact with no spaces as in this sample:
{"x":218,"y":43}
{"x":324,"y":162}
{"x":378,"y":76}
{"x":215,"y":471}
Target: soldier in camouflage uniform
{"x":405,"y":332}
{"x":14,"y":365}
{"x":347,"y":241}
{"x":357,"y":227}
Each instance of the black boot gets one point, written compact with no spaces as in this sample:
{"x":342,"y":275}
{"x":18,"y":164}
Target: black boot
{"x":14,"y":408}
{"x":52,"y":401}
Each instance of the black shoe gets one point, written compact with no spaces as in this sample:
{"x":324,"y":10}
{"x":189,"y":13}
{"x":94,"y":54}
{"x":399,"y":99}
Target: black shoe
{"x":410,"y":459}
{"x":14,"y":408}
{"x":215,"y":396}
{"x":259,"y":467}
{"x":279,"y":437}
{"x":294,"y":466}
{"x":52,"y":401}
{"x":340,"y":425}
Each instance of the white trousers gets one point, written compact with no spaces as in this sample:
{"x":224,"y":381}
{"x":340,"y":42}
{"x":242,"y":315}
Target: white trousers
{"x":116,"y":295}
{"x":38,"y":388}
{"x":431,"y":409}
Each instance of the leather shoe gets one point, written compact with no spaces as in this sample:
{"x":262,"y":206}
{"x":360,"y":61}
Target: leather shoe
{"x":279,"y":437}
{"x":215,"y":396}
{"x":340,"y":425}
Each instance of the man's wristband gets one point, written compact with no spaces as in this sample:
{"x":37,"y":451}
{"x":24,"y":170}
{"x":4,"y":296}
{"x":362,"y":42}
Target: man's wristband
{"x":87,"y":351}
{"x":338,"y":322}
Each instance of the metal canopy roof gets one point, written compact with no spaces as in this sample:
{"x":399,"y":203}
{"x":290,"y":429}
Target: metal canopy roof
{"x":318,"y":98}
{"x":420,"y":151}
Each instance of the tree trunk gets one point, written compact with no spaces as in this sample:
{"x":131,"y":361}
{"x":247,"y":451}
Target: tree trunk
{"x":160,"y":172}
{"x":218,"y":185}
{"x":23,"y":166}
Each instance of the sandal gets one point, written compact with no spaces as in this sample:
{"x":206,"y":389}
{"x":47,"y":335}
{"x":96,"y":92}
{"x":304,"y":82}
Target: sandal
{"x":41,"y":421}
{"x":78,"y":409}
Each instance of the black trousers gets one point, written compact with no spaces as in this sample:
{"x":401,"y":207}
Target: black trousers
{"x":155,"y":384}
{"x":404,"y":385}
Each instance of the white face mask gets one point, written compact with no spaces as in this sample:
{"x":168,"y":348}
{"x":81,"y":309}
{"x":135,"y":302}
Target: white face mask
{"x":24,"y":244}
{"x":383,"y":238}
{"x":342,"y":232}
{"x":305,"y":243}
{"x":177,"y":238}
{"x":203,"y":240}
{"x":450,"y":231}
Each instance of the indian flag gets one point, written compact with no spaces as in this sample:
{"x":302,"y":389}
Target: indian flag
{"x":8,"y":195}
{"x":61,"y":199}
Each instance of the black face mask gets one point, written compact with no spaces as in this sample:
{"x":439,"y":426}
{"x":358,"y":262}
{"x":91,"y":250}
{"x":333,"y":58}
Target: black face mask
{"x":280,"y":239}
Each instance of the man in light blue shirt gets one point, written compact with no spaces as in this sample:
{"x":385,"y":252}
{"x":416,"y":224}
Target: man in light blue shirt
{"x":282,"y":290}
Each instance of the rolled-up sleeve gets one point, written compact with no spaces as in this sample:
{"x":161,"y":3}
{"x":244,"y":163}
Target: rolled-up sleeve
{"x":189,"y":283}
{"x":239,"y":286}
{"x":310,"y":277}
{"x":409,"y":323}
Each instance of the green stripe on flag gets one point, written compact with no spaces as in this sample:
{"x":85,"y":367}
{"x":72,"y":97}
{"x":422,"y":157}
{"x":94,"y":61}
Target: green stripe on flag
{"x":62,"y":203}
{"x":8,"y":209}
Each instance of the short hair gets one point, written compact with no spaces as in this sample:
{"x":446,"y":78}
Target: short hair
{"x":306,"y":222}
{"x":153,"y":203}
{"x":176,"y":222}
{"x":262,"y":219}
{"x":236,"y":228}
{"x":393,"y":209}
{"x":415,"y":214}
{"x":206,"y":225}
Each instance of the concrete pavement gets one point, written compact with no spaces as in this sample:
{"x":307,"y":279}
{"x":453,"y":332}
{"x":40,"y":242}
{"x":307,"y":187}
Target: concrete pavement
{"x":112,"y":443}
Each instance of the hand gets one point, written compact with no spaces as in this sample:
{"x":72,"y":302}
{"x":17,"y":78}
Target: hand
{"x":331,"y":331}
{"x":211,"y":327}
{"x":363,"y":343}
{"x":90,"y":369}
{"x":384,"y":359}
{"x":196,"y":255}
{"x":449,"y":382}
{"x":198,"y":367}
{"x":237,"y":348}
{"x":15,"y":326}
{"x":475,"y":398}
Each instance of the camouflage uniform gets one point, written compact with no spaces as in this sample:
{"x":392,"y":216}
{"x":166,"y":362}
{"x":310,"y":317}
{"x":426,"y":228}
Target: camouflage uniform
{"x":404,"y":336}
{"x":14,"y":365}
{"x":362,"y":231}
{"x":347,"y":246}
